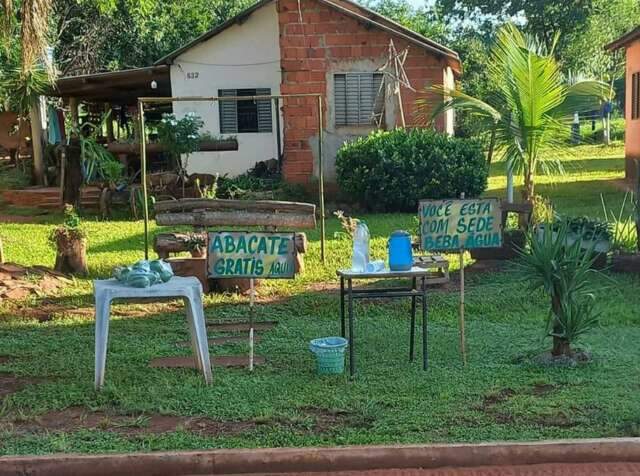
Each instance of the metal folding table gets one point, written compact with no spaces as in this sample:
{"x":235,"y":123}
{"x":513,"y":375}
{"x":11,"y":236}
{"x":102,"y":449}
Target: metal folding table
{"x":414,"y":292}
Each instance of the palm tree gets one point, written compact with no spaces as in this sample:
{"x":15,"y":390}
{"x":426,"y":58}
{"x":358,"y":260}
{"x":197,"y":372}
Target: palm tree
{"x":26,"y":74}
{"x":529,"y":111}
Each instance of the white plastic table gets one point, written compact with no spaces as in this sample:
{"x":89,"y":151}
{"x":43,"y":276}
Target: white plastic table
{"x":189,"y":289}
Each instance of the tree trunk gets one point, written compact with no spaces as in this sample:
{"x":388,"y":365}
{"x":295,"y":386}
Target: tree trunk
{"x":36,"y":142}
{"x":561,"y":347}
{"x":606,"y":128}
{"x":105,"y":202}
{"x":72,"y":174}
{"x":529,"y":186}
{"x":71,"y":256}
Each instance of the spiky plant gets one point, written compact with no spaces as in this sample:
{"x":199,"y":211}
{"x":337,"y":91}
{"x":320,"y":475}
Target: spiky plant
{"x":528,"y":116}
{"x":565,"y":273}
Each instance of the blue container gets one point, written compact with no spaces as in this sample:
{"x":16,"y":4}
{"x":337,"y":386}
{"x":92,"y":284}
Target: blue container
{"x":400,"y":251}
{"x":329,"y":352}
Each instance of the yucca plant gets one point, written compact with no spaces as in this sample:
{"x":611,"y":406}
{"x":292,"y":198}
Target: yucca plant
{"x":565,"y":274}
{"x":528,"y":115}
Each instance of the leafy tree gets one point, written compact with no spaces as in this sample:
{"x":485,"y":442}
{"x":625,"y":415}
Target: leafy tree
{"x":527,"y":111}
{"x":584,"y":51}
{"x":98,"y":35}
{"x":26,"y":75}
{"x":543,"y":19}
{"x":428,"y":21}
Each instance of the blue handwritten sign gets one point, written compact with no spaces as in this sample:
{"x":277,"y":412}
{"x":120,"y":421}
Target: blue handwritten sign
{"x":460,"y":224}
{"x":240,"y":254}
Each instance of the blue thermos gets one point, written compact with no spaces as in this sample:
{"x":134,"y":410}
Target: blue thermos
{"x":400,"y":251}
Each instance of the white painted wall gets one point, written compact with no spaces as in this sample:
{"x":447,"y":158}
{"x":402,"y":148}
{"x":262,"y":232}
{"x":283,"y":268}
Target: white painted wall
{"x":245,"y":55}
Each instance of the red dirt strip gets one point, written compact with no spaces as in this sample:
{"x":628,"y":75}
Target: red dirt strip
{"x":587,"y":469}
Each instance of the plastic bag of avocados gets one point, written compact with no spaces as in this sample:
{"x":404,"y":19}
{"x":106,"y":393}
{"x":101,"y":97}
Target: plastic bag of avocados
{"x":144,"y":274}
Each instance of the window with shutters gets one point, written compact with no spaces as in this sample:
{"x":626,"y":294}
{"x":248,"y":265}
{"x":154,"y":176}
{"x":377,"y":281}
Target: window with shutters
{"x":359,"y":98}
{"x":237,"y":117}
{"x":635,"y":96}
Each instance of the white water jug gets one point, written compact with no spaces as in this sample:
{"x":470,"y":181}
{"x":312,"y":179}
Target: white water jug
{"x":360,"y":257}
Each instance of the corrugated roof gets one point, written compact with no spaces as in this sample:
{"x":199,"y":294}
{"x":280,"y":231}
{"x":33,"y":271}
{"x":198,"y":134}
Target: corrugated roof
{"x":346,"y":7}
{"x":624,"y":39}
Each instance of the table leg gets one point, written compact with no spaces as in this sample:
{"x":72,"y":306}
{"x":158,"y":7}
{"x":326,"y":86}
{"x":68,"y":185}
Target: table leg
{"x":412,"y":337}
{"x":103,"y":306}
{"x":352,"y":364}
{"x":342,"y":321}
{"x":425,"y":354}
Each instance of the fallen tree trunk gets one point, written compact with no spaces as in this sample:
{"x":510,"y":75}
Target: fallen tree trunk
{"x":237,"y":218}
{"x":189,"y":204}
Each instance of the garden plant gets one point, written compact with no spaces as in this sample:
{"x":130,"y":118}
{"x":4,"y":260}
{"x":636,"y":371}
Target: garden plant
{"x":529,"y":112}
{"x":564,"y":271}
{"x":393,"y":170}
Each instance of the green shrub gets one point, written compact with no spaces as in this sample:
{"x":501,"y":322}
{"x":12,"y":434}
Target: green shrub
{"x":394,"y":170}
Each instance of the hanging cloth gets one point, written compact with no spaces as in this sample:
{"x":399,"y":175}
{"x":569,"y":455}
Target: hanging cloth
{"x":54,"y":132}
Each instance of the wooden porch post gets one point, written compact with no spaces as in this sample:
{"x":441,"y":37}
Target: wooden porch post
{"x":74,"y":110}
{"x":109,"y":111}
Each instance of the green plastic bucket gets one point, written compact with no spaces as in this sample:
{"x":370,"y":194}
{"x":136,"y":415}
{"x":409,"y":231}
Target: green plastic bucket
{"x":329,"y":352}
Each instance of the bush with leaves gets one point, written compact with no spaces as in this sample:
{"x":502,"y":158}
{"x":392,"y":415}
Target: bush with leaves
{"x":393,"y":170}
{"x":565,"y":273}
{"x":180,"y":136}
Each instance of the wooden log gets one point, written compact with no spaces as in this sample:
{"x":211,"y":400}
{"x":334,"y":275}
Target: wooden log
{"x":206,"y":146}
{"x":301,"y":242}
{"x":236,"y":218}
{"x":166,"y":243}
{"x":188,"y":204}
{"x":71,"y":257}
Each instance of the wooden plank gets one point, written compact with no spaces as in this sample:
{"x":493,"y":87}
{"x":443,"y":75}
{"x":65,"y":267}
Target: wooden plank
{"x":206,"y":146}
{"x":190,"y":204}
{"x":237,"y":218}
{"x":224,"y":340}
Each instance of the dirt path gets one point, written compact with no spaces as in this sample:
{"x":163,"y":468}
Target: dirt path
{"x":593,"y":469}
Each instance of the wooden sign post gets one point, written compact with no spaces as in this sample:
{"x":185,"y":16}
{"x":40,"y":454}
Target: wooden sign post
{"x":456,"y":226}
{"x":252,"y":255}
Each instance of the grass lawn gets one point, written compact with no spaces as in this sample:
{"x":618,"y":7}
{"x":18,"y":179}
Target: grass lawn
{"x":500,"y":395}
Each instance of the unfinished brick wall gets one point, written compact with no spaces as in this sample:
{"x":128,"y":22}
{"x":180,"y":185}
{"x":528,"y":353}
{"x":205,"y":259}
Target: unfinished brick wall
{"x":308,"y":48}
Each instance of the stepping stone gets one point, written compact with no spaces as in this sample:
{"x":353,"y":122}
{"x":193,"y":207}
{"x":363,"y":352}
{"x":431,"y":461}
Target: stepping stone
{"x":224,"y":340}
{"x":218,"y":361}
{"x":241,"y":326}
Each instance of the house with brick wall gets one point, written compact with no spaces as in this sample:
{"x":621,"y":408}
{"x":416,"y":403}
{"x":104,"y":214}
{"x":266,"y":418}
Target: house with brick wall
{"x":335,"y":48}
{"x":630,"y":42}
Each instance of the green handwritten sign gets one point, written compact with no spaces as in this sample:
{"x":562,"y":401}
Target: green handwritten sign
{"x":239,"y":254}
{"x":456,"y":224}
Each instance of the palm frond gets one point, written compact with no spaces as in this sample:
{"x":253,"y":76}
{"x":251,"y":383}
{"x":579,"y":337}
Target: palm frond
{"x":34,"y":27}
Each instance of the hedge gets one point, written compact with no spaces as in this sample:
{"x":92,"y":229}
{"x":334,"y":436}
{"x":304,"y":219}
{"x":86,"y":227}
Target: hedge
{"x":393,"y":170}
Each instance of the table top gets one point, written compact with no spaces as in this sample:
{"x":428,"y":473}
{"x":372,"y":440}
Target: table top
{"x":414,"y":272}
{"x":175,"y":286}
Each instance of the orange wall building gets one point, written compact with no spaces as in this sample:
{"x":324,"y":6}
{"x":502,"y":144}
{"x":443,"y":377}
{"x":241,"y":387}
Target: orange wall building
{"x":631,"y":43}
